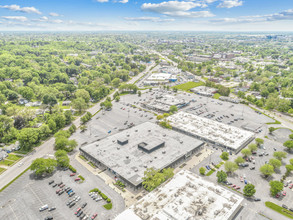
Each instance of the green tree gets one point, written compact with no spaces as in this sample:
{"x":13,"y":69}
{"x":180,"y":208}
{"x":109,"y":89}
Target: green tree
{"x":44,"y":131}
{"x":259,"y":141}
{"x":267,"y":170}
{"x":271,"y":130}
{"x":225,"y":156}
{"x":50,"y":100}
{"x":252,"y":147}
{"x":288,"y":144}
{"x":117,"y":98}
{"x":202,"y":170}
{"x":28,"y":137}
{"x":280,"y":155}
{"x":276,"y":187}
{"x":52,"y":125}
{"x":173,"y":108}
{"x":61,"y":143}
{"x":26,"y":92}
{"x":239,"y":160}
{"x":79,"y":104}
{"x":160,"y":117}
{"x":68,"y":117}
{"x":83,"y":94}
{"x":231,"y":167}
{"x":62,"y":158}
{"x":289,"y":168}
{"x":222,"y":176}
{"x":246,"y":152}
{"x":275,"y":163}
{"x":249,"y":190}
{"x":72,"y":129}
{"x":43,"y":166}
{"x":116,"y":82}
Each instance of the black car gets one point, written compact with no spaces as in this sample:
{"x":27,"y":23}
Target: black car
{"x":72,"y":204}
{"x":51,"y":182}
{"x":59,"y":184}
{"x":291,"y":209}
{"x":51,"y":209}
{"x":68,"y":189}
{"x":79,"y":213}
{"x":83,"y":205}
{"x":257,"y":199}
{"x":284,"y":206}
{"x":49,"y":218}
{"x":82,"y":216}
{"x":72,"y":194}
{"x":61,"y":192}
{"x":55,"y":185}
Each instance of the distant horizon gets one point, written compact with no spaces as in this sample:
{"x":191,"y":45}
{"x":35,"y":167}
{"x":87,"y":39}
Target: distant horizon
{"x":147,"y":15}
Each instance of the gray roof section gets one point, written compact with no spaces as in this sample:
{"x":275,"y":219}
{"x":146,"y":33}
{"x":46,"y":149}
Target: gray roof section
{"x":129,"y":161}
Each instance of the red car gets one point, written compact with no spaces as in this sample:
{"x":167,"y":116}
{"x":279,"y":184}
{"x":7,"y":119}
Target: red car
{"x":94,"y":216}
{"x":77,"y":179}
{"x":72,"y":174}
{"x":278,"y":195}
{"x":62,"y":185}
{"x":238,"y":187}
{"x":233,"y":185}
{"x":77,"y":211}
{"x":290,"y":186}
{"x":284,"y":193}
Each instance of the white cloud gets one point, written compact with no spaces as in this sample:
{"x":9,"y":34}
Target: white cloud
{"x":58,"y":21}
{"x":191,"y":14}
{"x":177,"y":9}
{"x":152,"y":19}
{"x":53,"y":14}
{"x":24,"y":9}
{"x":123,"y":1}
{"x":15,"y":18}
{"x":102,"y":1}
{"x":230,"y":3}
{"x":170,"y":6}
{"x":284,"y":15}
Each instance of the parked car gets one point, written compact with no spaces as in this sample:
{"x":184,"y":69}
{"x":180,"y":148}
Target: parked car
{"x":77,"y":179}
{"x":51,"y":209}
{"x":44,"y":207}
{"x":238,"y":187}
{"x":72,"y":174}
{"x":284,"y":193}
{"x":54,"y":185}
{"x":94,"y":216}
{"x":72,"y":204}
{"x":252,"y":168}
{"x":83,"y":205}
{"x":77,"y":211}
{"x":52,"y":181}
{"x":73,"y":193}
{"x":48,"y":218}
{"x":59,"y":184}
{"x":284,"y":206}
{"x":291,"y":209}
{"x":257,"y":199}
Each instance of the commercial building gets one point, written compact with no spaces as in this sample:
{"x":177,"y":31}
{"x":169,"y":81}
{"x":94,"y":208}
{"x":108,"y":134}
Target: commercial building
{"x":162,"y":103}
{"x":186,"y":196}
{"x":204,"y":91}
{"x":223,"y":135}
{"x":160,"y":78}
{"x":128,"y":154}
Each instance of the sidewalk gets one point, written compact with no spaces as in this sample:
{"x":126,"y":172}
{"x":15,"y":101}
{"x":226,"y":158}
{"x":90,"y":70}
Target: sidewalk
{"x":129,"y":197}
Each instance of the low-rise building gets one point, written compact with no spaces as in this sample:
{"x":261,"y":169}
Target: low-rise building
{"x":204,"y":91}
{"x":186,"y":196}
{"x":126,"y":155}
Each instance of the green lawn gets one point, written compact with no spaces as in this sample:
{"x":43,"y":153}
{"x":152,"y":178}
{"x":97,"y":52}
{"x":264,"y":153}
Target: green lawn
{"x":279,"y":209}
{"x":7,"y":162}
{"x":189,"y":85}
{"x":2,"y":170}
{"x":217,"y":96}
{"x":13,"y":157}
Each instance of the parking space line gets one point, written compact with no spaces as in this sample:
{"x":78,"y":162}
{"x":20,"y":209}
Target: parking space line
{"x":36,"y":195}
{"x":12,"y":211}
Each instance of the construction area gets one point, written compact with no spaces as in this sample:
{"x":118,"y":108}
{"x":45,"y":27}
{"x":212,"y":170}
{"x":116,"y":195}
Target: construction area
{"x":186,"y":196}
{"x":126,"y":155}
{"x":220,"y":134}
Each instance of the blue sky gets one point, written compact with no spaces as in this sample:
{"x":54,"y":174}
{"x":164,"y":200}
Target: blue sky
{"x":185,"y":15}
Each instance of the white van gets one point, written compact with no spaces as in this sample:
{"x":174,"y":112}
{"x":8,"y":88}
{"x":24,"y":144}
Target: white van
{"x":44,"y":207}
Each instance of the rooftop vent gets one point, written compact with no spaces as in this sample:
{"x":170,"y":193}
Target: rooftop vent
{"x":181,"y":142}
{"x":127,"y":157}
{"x":163,"y":152}
{"x":136,"y":130}
{"x":118,"y":148}
{"x":135,"y":169}
{"x":150,"y":130}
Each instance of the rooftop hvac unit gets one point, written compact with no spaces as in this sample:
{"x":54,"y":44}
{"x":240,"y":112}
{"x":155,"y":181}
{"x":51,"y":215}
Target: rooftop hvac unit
{"x":135,"y":169}
{"x":163,"y":152}
{"x":127,"y":157}
{"x":127,"y":135}
{"x":118,"y":148}
{"x":136,"y":130}
{"x":181,"y":142}
{"x":150,"y":130}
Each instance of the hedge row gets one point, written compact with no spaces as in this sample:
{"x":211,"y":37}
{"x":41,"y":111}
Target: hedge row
{"x":279,"y":209}
{"x":72,"y":169}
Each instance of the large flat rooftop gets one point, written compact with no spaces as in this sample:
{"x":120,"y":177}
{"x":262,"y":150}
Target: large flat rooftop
{"x":130,"y":152}
{"x":186,"y":196}
{"x":223,"y":134}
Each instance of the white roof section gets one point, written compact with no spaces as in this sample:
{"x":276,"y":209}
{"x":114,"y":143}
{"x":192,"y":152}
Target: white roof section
{"x":159,"y":77}
{"x":186,"y":196}
{"x":223,"y":134}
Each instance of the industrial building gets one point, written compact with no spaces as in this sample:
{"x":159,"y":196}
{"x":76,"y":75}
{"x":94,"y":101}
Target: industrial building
{"x":126,"y":155}
{"x":223,"y":135}
{"x":186,"y":196}
{"x":163,"y":102}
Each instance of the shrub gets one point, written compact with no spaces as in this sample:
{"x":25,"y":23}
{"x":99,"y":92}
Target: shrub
{"x":108,"y":200}
{"x":104,"y":196}
{"x":108,"y":206}
{"x":81,"y":177}
{"x":95,"y":190}
{"x":72,"y":169}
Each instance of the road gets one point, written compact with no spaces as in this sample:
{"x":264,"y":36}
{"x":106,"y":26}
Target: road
{"x":47,"y":148}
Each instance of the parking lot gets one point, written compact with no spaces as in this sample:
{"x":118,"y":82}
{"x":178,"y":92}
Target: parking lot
{"x":106,"y":123}
{"x":23,"y":198}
